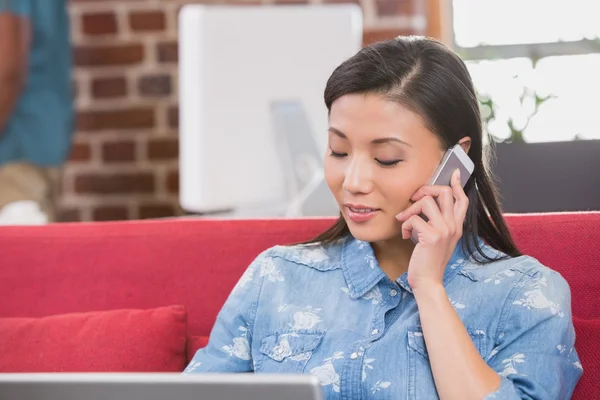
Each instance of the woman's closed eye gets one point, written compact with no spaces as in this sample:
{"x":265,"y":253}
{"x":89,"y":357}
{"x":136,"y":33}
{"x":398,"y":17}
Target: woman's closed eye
{"x":383,"y":163}
{"x":388,"y":163}
{"x":336,"y":154}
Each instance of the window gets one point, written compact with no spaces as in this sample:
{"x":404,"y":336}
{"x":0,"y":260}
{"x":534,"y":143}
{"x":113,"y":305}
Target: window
{"x":528,"y":54}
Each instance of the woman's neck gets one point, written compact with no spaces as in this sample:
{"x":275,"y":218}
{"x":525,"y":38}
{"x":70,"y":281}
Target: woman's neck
{"x":393,"y":256}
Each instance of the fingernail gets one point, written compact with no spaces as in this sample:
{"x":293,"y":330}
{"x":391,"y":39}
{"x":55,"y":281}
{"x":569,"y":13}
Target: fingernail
{"x":458,"y":174}
{"x":399,"y":215}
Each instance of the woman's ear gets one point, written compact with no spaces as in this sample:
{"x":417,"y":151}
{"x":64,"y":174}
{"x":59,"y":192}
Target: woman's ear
{"x":465,"y":143}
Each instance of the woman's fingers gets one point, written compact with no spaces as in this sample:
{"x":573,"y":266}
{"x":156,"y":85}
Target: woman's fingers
{"x":449,"y":216}
{"x":445,"y":199}
{"x":462,"y":201}
{"x":425,"y":231}
{"x":429,"y":208}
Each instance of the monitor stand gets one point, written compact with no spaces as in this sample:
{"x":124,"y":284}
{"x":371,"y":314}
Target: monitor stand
{"x":307,"y":192}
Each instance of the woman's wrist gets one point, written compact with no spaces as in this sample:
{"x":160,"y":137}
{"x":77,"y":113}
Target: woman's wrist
{"x":429,"y":291}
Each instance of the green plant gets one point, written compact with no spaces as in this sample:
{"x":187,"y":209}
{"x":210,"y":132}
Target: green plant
{"x":516,"y":135}
{"x":528,"y":96}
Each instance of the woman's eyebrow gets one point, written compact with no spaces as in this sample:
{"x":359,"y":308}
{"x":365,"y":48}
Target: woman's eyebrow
{"x":374,"y":141}
{"x":389,"y":139}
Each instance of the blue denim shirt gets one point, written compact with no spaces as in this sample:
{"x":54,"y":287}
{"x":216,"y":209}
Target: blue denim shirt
{"x":332,"y":312}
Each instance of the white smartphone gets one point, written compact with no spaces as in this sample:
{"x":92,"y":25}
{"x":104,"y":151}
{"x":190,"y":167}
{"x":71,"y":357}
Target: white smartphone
{"x":455,"y":158}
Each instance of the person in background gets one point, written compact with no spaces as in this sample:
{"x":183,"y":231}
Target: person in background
{"x":36,"y":107}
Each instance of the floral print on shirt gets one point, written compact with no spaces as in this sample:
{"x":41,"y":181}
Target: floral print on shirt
{"x":332,"y":312}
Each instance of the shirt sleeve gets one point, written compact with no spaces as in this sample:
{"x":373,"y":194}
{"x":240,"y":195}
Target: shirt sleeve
{"x":19,"y":7}
{"x":535,"y":347}
{"x":230,"y":342}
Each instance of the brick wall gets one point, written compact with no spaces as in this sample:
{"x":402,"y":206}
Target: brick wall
{"x":125,"y":154}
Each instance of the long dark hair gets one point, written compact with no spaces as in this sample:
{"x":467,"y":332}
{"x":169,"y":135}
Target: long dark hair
{"x":428,"y":78}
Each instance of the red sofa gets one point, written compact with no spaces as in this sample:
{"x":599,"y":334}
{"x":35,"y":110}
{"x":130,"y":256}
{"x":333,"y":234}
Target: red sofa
{"x":142,"y":296}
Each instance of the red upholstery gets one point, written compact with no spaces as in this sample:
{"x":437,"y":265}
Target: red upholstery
{"x":194,"y":344}
{"x":588,"y":338}
{"x":100,"y":341}
{"x":568,"y":243}
{"x":65,"y":268}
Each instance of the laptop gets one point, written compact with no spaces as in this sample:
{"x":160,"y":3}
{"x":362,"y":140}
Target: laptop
{"x":158,"y":386}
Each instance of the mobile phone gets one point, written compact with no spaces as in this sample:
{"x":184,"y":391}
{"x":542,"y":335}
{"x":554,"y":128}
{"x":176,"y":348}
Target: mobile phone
{"x":455,"y":158}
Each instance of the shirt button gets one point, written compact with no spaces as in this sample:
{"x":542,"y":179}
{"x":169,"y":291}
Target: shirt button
{"x":354,"y":356}
{"x":393,"y":292}
{"x":375,"y":332}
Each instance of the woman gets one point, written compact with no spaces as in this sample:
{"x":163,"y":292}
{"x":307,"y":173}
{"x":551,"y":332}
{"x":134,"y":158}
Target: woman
{"x":460,"y":315}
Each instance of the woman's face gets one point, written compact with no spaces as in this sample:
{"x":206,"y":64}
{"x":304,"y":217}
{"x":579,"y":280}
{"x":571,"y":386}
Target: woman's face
{"x":379,"y":154}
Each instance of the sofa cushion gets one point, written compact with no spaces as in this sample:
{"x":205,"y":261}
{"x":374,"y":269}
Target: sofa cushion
{"x":587,"y":344}
{"x":194,"y":344}
{"x":126,"y":340}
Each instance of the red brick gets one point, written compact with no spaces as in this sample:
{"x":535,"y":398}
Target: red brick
{"x":156,"y":211}
{"x":104,"y":23}
{"x":115,"y":183}
{"x":99,"y":56}
{"x":395,"y":7}
{"x":132,"y":118}
{"x":68,"y":215}
{"x":110,"y":87}
{"x":167,"y":52}
{"x":163,"y":149}
{"x":110,"y":213}
{"x":378,"y":35}
{"x":118,"y":151}
{"x":144,"y":21}
{"x":173,"y":117}
{"x":155,"y":85}
{"x":80,"y":152}
{"x":173,"y":182}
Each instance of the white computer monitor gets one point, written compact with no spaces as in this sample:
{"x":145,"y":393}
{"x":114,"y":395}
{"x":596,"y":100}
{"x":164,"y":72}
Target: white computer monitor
{"x":238,"y":66}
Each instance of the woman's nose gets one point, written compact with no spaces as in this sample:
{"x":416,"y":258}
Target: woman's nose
{"x":358,"y":178}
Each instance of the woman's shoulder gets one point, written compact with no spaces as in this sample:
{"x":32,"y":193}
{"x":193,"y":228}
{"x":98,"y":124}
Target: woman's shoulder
{"x":520,"y":274}
{"x":314,"y":255}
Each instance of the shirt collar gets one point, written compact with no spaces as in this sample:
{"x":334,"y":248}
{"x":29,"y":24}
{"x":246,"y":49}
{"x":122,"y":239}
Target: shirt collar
{"x":360,"y":267}
{"x":362,"y":272}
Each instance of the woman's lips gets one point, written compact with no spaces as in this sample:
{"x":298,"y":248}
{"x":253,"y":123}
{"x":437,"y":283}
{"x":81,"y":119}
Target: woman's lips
{"x":360,"y":214}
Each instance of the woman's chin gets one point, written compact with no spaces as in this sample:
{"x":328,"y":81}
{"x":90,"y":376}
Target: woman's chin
{"x":372,"y":231}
